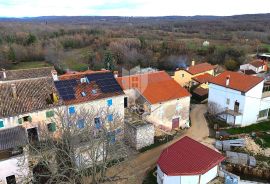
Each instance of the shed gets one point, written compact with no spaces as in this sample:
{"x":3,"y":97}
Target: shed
{"x":188,"y":161}
{"x":139,"y":133}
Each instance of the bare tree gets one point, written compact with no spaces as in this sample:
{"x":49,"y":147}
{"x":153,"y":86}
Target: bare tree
{"x":80,"y":150}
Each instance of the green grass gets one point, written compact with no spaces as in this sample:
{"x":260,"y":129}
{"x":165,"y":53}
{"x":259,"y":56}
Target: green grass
{"x":30,"y":64}
{"x":263,"y":140}
{"x":150,"y":178}
{"x":263,"y":126}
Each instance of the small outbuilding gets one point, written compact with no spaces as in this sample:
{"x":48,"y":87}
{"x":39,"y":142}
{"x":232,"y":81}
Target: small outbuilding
{"x":187,"y":162}
{"x":139,"y":133}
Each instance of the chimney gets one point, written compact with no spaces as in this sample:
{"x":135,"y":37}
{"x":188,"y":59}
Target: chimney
{"x":54,"y":75}
{"x":14,"y":91}
{"x":187,"y":68}
{"x":177,"y":69}
{"x":4,"y":73}
{"x":192,"y":63}
{"x":115,"y":74}
{"x":227,"y":80}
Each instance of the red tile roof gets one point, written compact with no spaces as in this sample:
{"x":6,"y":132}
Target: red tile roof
{"x":200,"y":68}
{"x":156,"y":87}
{"x":238,"y":81}
{"x":203,"y":78}
{"x":257,"y":63}
{"x":200,"y":91}
{"x":188,"y":157}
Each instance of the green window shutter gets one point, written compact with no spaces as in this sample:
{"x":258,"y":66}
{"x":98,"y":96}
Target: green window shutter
{"x":20,"y":121}
{"x":52,"y":127}
{"x":30,"y":119}
{"x":1,"y":124}
{"x":49,"y":114}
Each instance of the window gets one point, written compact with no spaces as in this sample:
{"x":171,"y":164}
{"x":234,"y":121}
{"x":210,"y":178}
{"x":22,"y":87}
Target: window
{"x":263,"y":113}
{"x":83,"y":94}
{"x":94,"y":91}
{"x":228,"y":101}
{"x":118,"y":130}
{"x":49,"y":114}
{"x":51,"y":127}
{"x":80,"y":123}
{"x":110,"y":117}
{"x":111,"y":136}
{"x":109,"y":102}
{"x":83,"y":80}
{"x":27,"y":118}
{"x":1,"y":123}
{"x":71,"y":110}
{"x":97,"y":123}
{"x":125,"y":102}
{"x":183,"y":75}
{"x":11,"y":179}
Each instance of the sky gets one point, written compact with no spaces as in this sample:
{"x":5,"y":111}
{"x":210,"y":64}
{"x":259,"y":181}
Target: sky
{"x":33,"y":8}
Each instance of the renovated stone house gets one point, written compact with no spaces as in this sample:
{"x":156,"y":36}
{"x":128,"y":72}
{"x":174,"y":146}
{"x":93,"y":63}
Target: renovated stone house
{"x":160,"y":99}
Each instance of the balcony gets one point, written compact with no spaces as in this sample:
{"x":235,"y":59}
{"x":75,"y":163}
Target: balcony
{"x":233,"y":112}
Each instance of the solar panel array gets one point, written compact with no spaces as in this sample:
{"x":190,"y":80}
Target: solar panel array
{"x":105,"y":81}
{"x":66,"y":88}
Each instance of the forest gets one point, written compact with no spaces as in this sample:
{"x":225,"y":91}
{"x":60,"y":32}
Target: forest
{"x":165,"y":43}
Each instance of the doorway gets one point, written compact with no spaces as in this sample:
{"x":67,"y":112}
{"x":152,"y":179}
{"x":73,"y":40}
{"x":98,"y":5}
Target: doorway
{"x":175,"y":123}
{"x":11,"y":179}
{"x":125,"y":102}
{"x":236,"y":106}
{"x":32,"y":135}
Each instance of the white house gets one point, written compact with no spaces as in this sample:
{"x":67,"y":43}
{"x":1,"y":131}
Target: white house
{"x":162,"y":100}
{"x":239,"y":99}
{"x":188,"y":162}
{"x":254,"y":67}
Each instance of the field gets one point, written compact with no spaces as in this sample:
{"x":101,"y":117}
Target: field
{"x":30,"y":64}
{"x":79,"y":43}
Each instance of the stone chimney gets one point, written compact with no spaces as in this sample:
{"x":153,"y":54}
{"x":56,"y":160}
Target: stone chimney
{"x":192,"y":63}
{"x":54,"y":75}
{"x":115,"y":73}
{"x":228,"y":80}
{"x":4,"y":73}
{"x":14,"y":90}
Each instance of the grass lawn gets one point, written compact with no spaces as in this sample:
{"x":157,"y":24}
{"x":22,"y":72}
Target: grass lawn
{"x":263,"y":140}
{"x":150,"y":178}
{"x":30,"y":64}
{"x":258,"y":127}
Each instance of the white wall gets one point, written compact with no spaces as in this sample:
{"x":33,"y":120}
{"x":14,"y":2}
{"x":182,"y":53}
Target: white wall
{"x":192,"y":179}
{"x":250,"y":102}
{"x":14,"y":166}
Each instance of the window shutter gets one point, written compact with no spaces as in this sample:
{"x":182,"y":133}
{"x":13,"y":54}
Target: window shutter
{"x":49,"y":114}
{"x":110,"y":117}
{"x":71,"y":110}
{"x":30,"y":119}
{"x":97,"y":123}
{"x":52,"y":127}
{"x":20,"y":121}
{"x":109,"y":102}
{"x":1,"y":123}
{"x":80,"y":123}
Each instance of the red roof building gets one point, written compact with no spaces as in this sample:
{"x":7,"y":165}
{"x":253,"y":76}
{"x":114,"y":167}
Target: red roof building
{"x":204,"y":78}
{"x":200,"y":68}
{"x":237,"y":81}
{"x":188,"y":157}
{"x":156,"y":87}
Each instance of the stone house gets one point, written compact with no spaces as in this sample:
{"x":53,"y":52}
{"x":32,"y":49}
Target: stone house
{"x":162,"y":101}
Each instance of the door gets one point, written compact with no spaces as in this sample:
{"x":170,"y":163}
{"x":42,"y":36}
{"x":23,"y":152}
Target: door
{"x":236,"y":106}
{"x":11,"y":179}
{"x":175,"y":123}
{"x":125,"y":102}
{"x":32,"y":135}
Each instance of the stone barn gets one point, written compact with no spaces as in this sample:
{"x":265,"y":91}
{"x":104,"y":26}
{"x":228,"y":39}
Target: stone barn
{"x":139,"y":133}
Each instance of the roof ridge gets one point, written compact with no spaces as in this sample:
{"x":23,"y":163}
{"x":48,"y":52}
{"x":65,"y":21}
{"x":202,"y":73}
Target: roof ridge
{"x":29,"y":68}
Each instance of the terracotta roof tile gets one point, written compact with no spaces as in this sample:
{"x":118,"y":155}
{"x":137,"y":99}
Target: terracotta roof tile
{"x":204,"y":78}
{"x":238,"y":81}
{"x":200,"y":91}
{"x":32,"y":95}
{"x":200,"y":68}
{"x":257,"y":63}
{"x":156,"y":87}
{"x":26,"y":73}
{"x":188,"y":157}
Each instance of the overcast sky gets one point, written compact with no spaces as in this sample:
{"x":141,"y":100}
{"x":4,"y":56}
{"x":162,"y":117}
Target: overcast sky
{"x":28,"y":8}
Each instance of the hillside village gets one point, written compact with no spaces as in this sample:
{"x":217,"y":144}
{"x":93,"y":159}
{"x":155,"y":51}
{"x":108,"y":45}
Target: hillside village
{"x":202,"y":124}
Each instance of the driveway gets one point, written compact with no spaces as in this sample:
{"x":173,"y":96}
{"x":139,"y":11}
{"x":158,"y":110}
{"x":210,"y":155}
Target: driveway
{"x":134,"y":169}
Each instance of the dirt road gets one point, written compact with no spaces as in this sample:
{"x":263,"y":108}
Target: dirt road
{"x":134,"y":169}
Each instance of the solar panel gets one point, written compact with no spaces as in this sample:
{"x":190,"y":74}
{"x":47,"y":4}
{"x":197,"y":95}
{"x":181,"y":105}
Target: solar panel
{"x":66,"y":88}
